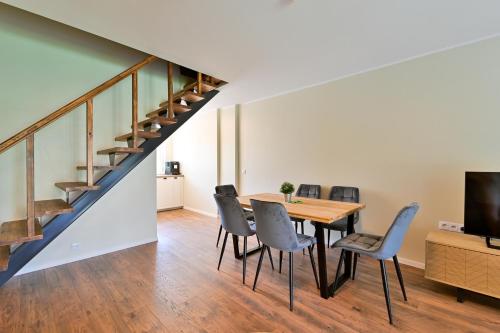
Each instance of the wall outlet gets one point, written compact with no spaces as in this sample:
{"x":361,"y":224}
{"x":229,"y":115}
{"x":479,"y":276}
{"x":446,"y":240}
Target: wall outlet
{"x":450,"y":226}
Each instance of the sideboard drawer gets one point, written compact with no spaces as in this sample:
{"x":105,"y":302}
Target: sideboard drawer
{"x":435,"y":261}
{"x":476,"y":268}
{"x":494,"y":275}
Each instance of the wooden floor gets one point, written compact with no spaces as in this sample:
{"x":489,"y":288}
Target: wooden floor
{"x":174,"y":286}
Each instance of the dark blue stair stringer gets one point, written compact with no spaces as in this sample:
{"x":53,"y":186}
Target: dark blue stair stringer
{"x":26,"y":251}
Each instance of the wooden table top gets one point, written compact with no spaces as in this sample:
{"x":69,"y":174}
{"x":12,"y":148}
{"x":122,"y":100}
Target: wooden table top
{"x":319,"y":210}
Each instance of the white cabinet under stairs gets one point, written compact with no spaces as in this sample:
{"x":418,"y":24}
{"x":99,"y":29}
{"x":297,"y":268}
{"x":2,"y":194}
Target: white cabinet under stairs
{"x":169,"y":192}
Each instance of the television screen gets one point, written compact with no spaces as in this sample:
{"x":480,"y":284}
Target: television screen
{"x":482,"y":204}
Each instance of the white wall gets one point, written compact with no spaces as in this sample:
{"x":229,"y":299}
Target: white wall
{"x":402,"y":133}
{"x":227,"y":146}
{"x":122,"y":218}
{"x":195,"y":147}
{"x":44,"y":65}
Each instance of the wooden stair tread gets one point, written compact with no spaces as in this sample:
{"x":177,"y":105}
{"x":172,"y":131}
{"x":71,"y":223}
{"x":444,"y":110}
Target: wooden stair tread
{"x":178,"y":108}
{"x":192,"y":97}
{"x":52,"y":207}
{"x":205,"y":86}
{"x":98,"y":167}
{"x":76,"y":186}
{"x":17,"y":232}
{"x":140,"y":134}
{"x":157,"y":120}
{"x":4,"y":257}
{"x":120,"y":150}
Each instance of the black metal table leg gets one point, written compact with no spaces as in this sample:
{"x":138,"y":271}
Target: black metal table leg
{"x":460,"y":295}
{"x":323,"y":273}
{"x":239,"y":255}
{"x":346,"y":275}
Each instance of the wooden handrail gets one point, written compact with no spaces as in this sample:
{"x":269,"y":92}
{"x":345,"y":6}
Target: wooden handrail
{"x":170,"y":91}
{"x":72,"y":105}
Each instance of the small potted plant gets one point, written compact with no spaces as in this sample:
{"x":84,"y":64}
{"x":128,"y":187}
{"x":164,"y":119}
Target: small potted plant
{"x":287,"y":189}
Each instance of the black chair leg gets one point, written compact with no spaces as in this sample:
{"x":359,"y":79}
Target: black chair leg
{"x":302,"y":228}
{"x":270,"y":257}
{"x":385,"y":282}
{"x":222,"y":250}
{"x":296,"y":226}
{"x":328,"y":238}
{"x":341,"y":234}
{"x":259,"y":266}
{"x":355,"y":263}
{"x":290,"y":279}
{"x":218,"y":237}
{"x":244,"y":258}
{"x":281,"y":259}
{"x":313,"y":264}
{"x":339,"y":266}
{"x":258,"y":240}
{"x":400,"y":276}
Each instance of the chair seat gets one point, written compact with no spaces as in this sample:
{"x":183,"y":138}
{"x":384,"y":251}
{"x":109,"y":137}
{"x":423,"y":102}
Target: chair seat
{"x":304,"y":241}
{"x":361,"y":243}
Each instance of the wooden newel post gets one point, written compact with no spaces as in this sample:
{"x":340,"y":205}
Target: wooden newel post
{"x":90,"y":142}
{"x":170,"y":106}
{"x":199,"y":88}
{"x":30,"y":184}
{"x":134,"y":110}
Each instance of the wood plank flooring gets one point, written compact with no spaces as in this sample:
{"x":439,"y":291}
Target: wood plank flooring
{"x":173,"y":286}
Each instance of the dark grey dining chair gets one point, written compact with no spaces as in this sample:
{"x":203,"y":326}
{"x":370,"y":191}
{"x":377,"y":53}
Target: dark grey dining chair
{"x":306,"y":191}
{"x":233,"y":220}
{"x":275,"y":230}
{"x":229,"y":190}
{"x":380,"y":248}
{"x":345,"y":194}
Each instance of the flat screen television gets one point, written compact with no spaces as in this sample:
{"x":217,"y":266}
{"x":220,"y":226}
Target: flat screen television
{"x":482,"y":205}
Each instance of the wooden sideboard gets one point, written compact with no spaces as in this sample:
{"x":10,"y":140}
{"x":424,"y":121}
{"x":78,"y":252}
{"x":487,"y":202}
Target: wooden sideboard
{"x":463,"y":261}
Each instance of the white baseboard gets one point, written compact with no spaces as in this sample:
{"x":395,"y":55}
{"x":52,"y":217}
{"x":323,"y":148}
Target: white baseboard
{"x":202,"y":212}
{"x":413,"y":263}
{"x":85,"y":256}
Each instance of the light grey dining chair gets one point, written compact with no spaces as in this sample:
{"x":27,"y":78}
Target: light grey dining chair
{"x":230,"y":190}
{"x":234,"y":221}
{"x":306,"y":191}
{"x":380,"y":248}
{"x":275,"y":230}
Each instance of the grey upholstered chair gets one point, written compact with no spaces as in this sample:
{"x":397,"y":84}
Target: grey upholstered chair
{"x":275,"y":230}
{"x":229,"y":190}
{"x":345,"y":194}
{"x":306,"y":191}
{"x":233,"y":220}
{"x":380,"y":248}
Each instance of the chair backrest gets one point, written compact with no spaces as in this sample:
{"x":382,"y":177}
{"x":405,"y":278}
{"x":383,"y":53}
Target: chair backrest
{"x":309,"y":191}
{"x":273,"y":225}
{"x":232,"y":217}
{"x":394,"y":237}
{"x":226,"y":189}
{"x":345,"y":194}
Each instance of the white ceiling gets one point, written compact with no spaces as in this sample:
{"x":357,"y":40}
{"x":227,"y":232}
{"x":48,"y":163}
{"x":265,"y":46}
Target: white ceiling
{"x":267,"y":47}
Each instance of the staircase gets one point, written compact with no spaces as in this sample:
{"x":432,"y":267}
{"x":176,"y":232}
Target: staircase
{"x":21,"y":240}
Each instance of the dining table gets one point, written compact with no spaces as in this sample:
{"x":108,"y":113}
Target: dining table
{"x":322,"y":211}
